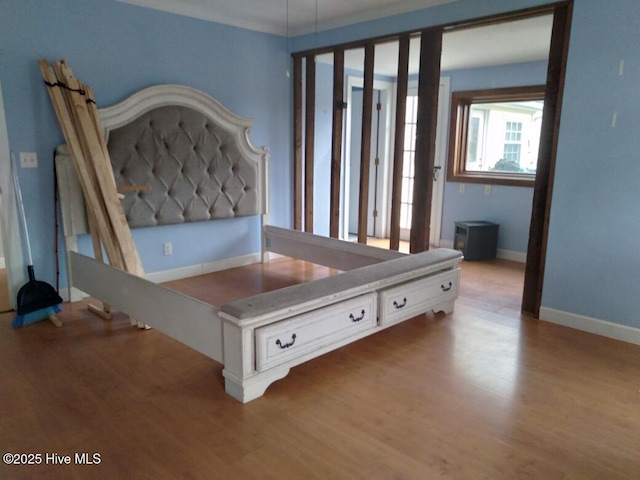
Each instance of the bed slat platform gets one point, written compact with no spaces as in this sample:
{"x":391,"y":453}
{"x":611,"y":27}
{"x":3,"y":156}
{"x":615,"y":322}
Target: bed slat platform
{"x":257,"y":339}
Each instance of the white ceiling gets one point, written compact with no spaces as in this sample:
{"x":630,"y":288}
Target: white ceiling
{"x":496,"y":44}
{"x":293,"y":17}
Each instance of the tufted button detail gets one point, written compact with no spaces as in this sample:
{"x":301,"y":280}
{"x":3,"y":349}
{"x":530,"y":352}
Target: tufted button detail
{"x":191,"y":167}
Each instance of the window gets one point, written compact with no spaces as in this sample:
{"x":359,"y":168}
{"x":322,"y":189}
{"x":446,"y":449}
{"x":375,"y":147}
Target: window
{"x":495,"y":135}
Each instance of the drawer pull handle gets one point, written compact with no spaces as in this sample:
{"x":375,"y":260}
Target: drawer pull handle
{"x":354,"y":319}
{"x":400,"y":305}
{"x":446,"y":289}
{"x":286,"y":345}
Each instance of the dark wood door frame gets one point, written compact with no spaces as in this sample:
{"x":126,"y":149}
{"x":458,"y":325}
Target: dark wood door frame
{"x":543,"y":189}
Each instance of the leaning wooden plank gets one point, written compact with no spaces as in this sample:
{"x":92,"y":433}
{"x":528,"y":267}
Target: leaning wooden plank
{"x":133,"y":188}
{"x":97,"y":129}
{"x":326,"y":251}
{"x":98,"y":159}
{"x":101,"y":163}
{"x":90,"y":181}
{"x":179,"y":316}
{"x":75,"y":148}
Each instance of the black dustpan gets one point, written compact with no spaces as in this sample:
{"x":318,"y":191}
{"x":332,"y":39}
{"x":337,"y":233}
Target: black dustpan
{"x":36,"y":300}
{"x":36,"y":295}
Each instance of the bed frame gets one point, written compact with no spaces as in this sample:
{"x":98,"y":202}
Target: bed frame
{"x":259,"y":338}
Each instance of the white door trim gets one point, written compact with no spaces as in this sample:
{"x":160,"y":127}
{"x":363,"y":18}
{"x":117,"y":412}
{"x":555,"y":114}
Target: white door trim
{"x":8,"y":215}
{"x":442,"y":128}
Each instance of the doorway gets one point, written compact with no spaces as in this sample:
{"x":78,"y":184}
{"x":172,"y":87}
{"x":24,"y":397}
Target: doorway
{"x":381,"y":133}
{"x":379,"y":185}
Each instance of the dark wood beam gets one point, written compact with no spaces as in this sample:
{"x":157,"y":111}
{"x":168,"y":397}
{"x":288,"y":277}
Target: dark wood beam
{"x":336,"y":141}
{"x":542,"y":193}
{"x":365,"y":152}
{"x":398,"y":146}
{"x":309,"y":142}
{"x":428,"y":86}
{"x":297,"y":143}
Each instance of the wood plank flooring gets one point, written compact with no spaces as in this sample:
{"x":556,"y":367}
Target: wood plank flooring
{"x":480,"y":394}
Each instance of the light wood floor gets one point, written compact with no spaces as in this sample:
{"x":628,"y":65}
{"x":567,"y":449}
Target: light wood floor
{"x":480,"y":394}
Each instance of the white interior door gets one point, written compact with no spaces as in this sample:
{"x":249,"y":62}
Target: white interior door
{"x":442,"y":127}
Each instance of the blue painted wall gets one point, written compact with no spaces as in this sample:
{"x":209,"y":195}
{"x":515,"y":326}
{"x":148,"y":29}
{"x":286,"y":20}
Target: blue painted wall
{"x":593,"y":259}
{"x":118,"y":49}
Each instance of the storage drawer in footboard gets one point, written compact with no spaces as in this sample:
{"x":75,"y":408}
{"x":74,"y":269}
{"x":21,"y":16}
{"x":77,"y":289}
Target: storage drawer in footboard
{"x":419,"y":296}
{"x":288,"y":339}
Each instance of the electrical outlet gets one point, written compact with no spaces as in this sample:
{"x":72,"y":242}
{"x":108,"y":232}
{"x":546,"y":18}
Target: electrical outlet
{"x":461,"y":188}
{"x":28,"y":159}
{"x":168,"y":248}
{"x":487,"y":189}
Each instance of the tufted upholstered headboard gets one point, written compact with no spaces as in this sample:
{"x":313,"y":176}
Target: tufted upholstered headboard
{"x":193,"y":153}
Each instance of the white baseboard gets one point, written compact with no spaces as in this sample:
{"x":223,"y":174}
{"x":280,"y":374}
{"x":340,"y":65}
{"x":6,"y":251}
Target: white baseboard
{"x":591,"y":325}
{"x":201,"y":269}
{"x":503,"y":254}
{"x":520,"y":257}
